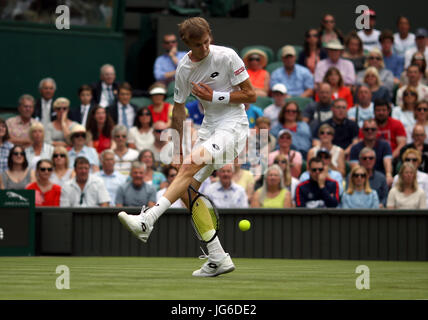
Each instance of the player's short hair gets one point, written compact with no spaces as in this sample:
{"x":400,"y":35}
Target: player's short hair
{"x":193,"y":28}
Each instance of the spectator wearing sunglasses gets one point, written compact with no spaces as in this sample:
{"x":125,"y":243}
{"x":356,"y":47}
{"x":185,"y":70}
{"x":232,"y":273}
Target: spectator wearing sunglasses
{"x":414,"y":157}
{"x":290,"y":182}
{"x":375,"y":59}
{"x":47,"y":194}
{"x":414,"y":80}
{"x":79,"y":139}
{"x":359,"y":194}
{"x":19,"y":174}
{"x":59,"y":129}
{"x":123,"y":156}
{"x":166,"y":64}
{"x":256,"y":60}
{"x":158,"y":144}
{"x":85,"y":189}
{"x":419,"y":143}
{"x":39,"y":149}
{"x":140,"y":136}
{"x":381,"y":147}
{"x":319,"y":191}
{"x":61,"y":172}
{"x":325,"y":135}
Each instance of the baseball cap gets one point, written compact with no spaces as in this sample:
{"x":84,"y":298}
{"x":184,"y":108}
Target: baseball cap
{"x":279,"y":87}
{"x":287,"y":51}
{"x":283,"y":131}
{"x":421,"y":32}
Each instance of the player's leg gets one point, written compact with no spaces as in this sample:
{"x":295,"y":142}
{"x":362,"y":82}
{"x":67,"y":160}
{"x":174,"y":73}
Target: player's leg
{"x":142,"y":225}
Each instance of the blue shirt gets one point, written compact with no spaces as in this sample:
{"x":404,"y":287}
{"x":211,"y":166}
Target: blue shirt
{"x":302,"y":138}
{"x":112,"y":183}
{"x":253,"y":113}
{"x":129,"y":196}
{"x":194,"y":112}
{"x":297,"y":82}
{"x":87,"y":152}
{"x":164,"y":64}
{"x":233,"y":197}
{"x":395,"y":64}
{"x":360,"y":200}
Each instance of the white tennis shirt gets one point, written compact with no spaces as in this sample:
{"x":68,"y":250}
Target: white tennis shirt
{"x":222,"y":70}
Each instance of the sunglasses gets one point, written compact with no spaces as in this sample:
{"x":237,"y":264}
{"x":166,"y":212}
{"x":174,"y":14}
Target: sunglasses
{"x":359,"y":175}
{"x":254,"y":59}
{"x":79,"y":135}
{"x":369,"y":129}
{"x":367,"y":158}
{"x":120,"y":136}
{"x":291,"y":111}
{"x":326,"y":132}
{"x":16,"y":153}
{"x":411,"y":159}
{"x":44,"y":169}
{"x":146,"y":114}
{"x":317,"y":169}
{"x":280,"y":161}
{"x":375,"y":58}
{"x":409,"y":93}
{"x":341,"y":107}
{"x":422,"y":109}
{"x":324,"y":156}
{"x":61,"y":109}
{"x":59,"y":155}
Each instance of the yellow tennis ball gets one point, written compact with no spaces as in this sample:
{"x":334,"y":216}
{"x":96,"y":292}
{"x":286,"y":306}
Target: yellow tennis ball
{"x":244,"y":225}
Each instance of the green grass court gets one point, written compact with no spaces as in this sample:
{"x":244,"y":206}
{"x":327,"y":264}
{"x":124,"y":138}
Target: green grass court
{"x":170,"y":279}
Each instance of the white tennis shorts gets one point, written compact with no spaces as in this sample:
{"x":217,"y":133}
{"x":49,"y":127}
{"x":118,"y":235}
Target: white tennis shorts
{"x":224,"y":144}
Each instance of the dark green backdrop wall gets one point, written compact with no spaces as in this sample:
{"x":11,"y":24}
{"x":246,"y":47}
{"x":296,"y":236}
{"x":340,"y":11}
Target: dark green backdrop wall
{"x":70,"y":57}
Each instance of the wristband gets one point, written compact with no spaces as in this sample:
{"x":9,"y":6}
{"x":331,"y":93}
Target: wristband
{"x":221,"y":97}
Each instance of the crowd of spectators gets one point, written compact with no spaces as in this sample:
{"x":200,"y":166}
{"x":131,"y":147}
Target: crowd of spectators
{"x":359,"y":143}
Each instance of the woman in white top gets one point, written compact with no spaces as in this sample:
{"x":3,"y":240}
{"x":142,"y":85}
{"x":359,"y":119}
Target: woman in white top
{"x":406,"y":194}
{"x":290,"y":182}
{"x":406,"y":112}
{"x":61,"y":171}
{"x":326,"y":135}
{"x":38,"y":149}
{"x":141,"y":134}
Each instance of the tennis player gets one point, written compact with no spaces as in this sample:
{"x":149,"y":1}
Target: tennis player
{"x":217,"y":76}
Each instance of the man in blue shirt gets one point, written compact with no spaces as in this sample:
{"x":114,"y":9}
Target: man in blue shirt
{"x":393,"y":62}
{"x":112,"y":178}
{"x":165,"y":65}
{"x":297,"y":79}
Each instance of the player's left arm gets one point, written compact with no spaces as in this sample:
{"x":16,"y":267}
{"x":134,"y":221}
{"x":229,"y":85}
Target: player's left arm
{"x":247,"y":94}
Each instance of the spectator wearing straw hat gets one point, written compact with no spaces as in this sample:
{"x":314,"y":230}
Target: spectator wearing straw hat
{"x":298,"y":79}
{"x":256,"y":60}
{"x":78,"y":139}
{"x":346,"y":67}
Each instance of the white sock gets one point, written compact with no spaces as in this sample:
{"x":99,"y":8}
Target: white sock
{"x":215,"y":250}
{"x":157,"y":210}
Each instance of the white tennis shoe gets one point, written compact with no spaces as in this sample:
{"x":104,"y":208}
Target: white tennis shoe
{"x":213,"y":268}
{"x":137,"y":224}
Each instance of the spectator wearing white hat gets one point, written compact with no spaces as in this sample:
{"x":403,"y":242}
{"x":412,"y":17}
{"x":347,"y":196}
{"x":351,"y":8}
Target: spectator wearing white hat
{"x":279,"y":94}
{"x":78,"y":139}
{"x":161,"y":110}
{"x":256,"y":60}
{"x":298,"y":79}
{"x":346,"y":67}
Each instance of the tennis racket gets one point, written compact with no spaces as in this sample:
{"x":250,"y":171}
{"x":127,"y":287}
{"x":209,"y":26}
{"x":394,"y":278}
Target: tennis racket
{"x":204,"y":216}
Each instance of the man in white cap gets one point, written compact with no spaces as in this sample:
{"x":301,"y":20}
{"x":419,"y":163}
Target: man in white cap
{"x":298,"y":79}
{"x":346,"y":67}
{"x":279,"y":94}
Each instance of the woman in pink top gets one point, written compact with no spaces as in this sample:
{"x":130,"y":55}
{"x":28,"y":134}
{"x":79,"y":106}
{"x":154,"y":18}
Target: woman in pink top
{"x":294,"y":157}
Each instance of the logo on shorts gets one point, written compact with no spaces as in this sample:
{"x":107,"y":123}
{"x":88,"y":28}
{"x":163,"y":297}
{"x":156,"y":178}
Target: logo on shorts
{"x":214,"y":74}
{"x":216,"y":147}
